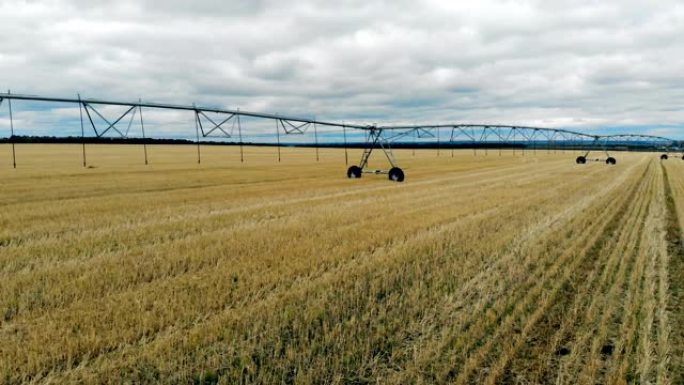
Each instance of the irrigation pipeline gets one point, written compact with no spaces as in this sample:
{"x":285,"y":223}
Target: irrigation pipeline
{"x":475,"y":132}
{"x":381,"y":137}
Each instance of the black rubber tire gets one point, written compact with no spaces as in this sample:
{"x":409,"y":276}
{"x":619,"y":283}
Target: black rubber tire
{"x":581,"y":160}
{"x":663,"y":157}
{"x":396,"y":174}
{"x":354,"y":172}
{"x":611,"y":160}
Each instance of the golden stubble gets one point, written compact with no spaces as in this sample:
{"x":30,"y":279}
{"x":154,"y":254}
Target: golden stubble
{"x":478,"y":269}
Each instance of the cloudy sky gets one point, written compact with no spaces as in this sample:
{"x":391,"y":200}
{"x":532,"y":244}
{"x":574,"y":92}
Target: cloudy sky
{"x":588,"y":65}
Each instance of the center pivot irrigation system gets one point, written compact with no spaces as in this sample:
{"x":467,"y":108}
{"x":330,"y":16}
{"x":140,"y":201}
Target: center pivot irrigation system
{"x":381,"y":137}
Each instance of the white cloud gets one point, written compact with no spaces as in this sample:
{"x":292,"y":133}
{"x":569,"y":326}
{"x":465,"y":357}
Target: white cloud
{"x":579,"y":64}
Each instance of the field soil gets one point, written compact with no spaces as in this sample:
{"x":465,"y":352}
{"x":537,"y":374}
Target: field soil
{"x":494,"y":267}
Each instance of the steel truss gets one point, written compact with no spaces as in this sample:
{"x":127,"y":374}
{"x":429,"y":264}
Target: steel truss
{"x":225,"y":122}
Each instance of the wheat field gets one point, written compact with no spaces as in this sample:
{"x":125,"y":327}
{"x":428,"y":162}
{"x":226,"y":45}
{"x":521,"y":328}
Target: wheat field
{"x":497,"y":268}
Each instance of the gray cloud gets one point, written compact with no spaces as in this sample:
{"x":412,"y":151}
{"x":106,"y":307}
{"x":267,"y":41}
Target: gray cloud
{"x":579,"y":64}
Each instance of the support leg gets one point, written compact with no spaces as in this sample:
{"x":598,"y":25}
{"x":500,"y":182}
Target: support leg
{"x":83,"y":147}
{"x":199,"y":156}
{"x":14,"y":154}
{"x":142,"y":128}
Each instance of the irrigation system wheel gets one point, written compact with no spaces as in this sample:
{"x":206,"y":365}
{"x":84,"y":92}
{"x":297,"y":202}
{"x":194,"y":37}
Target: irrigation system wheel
{"x":663,"y":157}
{"x":611,"y":160}
{"x":354,"y":172}
{"x":581,"y":160}
{"x":396,"y":174}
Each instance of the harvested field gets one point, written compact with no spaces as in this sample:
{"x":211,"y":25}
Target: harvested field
{"x":496,"y":269}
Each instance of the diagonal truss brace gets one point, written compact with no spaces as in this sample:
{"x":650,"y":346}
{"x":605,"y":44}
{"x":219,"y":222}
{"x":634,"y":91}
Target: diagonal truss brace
{"x":417,"y":133}
{"x":374,"y":140}
{"x":423,"y":133}
{"x":291,"y":128}
{"x":468,"y":134}
{"x":601,"y":142}
{"x":110,"y":125}
{"x":216,"y":127}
